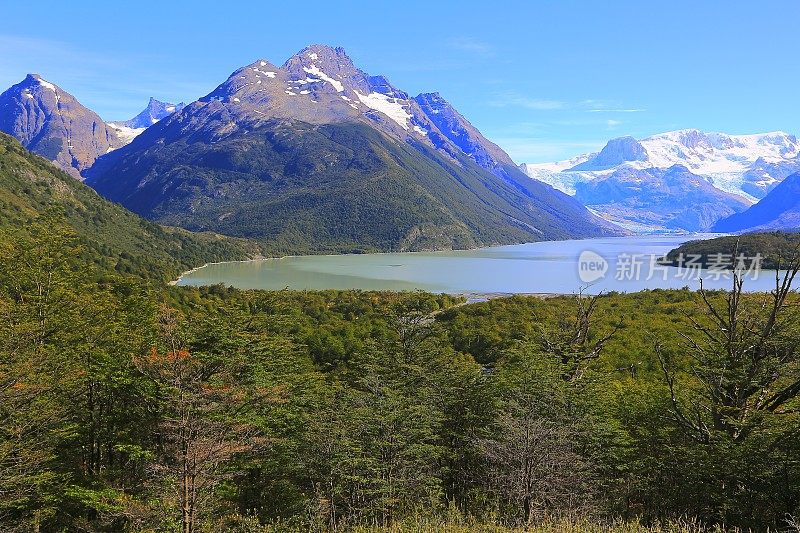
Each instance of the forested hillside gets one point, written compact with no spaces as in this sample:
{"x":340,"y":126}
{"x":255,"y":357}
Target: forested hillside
{"x":110,"y":236}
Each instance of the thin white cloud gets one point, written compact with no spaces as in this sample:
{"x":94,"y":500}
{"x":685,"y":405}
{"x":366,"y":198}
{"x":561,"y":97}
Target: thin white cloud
{"x":511,"y":99}
{"x":617,"y":110}
{"x":538,"y":104}
{"x":471,"y":46}
{"x":605,"y":106}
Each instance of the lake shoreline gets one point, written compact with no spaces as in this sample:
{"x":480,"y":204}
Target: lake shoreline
{"x":542,"y":269}
{"x":176,"y":281}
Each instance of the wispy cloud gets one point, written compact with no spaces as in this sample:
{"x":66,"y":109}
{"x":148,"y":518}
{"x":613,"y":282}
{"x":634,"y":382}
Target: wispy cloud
{"x":612,"y":124}
{"x":471,"y":46}
{"x":511,"y":99}
{"x":616,"y":110}
{"x":604,"y":106}
{"x":516,"y":100}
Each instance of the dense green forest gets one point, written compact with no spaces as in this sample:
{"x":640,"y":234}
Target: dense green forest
{"x":126,"y":406}
{"x":777,"y":248}
{"x":129,"y":405}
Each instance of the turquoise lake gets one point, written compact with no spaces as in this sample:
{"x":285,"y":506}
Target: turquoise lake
{"x":543,"y":268}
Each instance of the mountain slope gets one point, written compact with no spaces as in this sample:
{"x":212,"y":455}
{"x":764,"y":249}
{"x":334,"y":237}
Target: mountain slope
{"x":739,"y":169}
{"x":52,"y":123}
{"x":780,"y":209}
{"x":114,"y":238}
{"x":455,"y":128}
{"x":318,"y":156}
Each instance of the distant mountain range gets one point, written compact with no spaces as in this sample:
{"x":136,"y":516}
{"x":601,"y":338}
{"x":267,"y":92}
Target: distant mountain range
{"x":317,"y":155}
{"x":710,"y":176}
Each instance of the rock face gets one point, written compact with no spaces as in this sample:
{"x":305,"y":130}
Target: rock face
{"x":778,"y":210}
{"x":737,"y":170}
{"x":455,"y":128}
{"x":52,"y":123}
{"x":318,"y":155}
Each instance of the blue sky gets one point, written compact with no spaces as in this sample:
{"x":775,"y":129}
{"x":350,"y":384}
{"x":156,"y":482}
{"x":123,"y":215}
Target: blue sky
{"x":546,"y":80}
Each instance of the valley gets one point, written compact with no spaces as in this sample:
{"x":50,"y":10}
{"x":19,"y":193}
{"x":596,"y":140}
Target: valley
{"x":527,"y":285}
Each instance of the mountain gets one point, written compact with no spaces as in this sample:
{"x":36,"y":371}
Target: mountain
{"x":740,"y":169}
{"x":317,"y":155}
{"x":615,"y":153}
{"x":155,"y":111}
{"x":778,"y":210}
{"x":113,"y":238}
{"x":52,"y":123}
{"x":672,"y":198}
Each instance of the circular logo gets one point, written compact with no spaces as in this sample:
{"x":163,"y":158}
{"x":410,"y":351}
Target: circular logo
{"x":591,"y":266}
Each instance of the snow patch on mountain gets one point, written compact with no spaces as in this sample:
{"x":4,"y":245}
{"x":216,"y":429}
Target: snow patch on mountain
{"x":728,"y":161}
{"x":266,"y":73}
{"x":387,"y":105}
{"x":315,"y":71}
{"x":46,"y":84}
{"x":718,"y":153}
{"x":125,"y":133}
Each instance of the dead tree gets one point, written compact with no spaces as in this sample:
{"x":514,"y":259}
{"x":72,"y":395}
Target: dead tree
{"x":743,"y":359}
{"x":573,"y":341}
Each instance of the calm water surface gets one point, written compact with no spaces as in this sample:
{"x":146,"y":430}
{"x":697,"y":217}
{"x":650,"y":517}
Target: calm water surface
{"x":543,"y":267}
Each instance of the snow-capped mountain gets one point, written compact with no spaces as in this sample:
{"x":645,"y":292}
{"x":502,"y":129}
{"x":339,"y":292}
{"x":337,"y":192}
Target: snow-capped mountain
{"x":50,"y":122}
{"x":156,"y":110}
{"x":320,"y":84}
{"x":746,"y":167}
{"x":321,"y":151}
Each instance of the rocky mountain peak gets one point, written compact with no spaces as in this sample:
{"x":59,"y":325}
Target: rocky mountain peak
{"x":321,"y":85}
{"x":34,"y":83}
{"x":615,"y":152}
{"x":432,"y":99}
{"x":325,"y":68}
{"x":334,"y":58}
{"x":31,"y":78}
{"x":52,"y":123}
